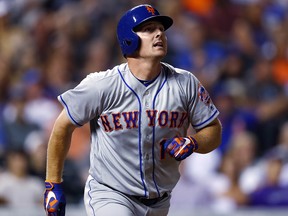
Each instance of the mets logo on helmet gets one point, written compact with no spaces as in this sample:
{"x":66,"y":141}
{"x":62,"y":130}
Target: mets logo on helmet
{"x":203,"y":95}
{"x":150,"y":10}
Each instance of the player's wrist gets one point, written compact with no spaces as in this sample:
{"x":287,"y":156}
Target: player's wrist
{"x":194,"y":142}
{"x":54,"y":180}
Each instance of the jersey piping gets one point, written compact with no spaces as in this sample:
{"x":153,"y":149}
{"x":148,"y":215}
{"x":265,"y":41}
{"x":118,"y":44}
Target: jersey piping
{"x":212,"y":116}
{"x":90,"y":197}
{"x":68,"y":111}
{"x":139,"y":133}
{"x":153,"y":135}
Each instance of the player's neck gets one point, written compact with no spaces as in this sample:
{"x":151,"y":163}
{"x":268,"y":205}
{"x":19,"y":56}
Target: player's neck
{"x":144,"y":70}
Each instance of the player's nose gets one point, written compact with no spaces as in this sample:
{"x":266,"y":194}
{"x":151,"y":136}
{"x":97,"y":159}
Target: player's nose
{"x":159,"y":29}
{"x":159,"y":32}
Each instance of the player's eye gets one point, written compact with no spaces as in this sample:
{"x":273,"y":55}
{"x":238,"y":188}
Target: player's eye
{"x":148,"y":29}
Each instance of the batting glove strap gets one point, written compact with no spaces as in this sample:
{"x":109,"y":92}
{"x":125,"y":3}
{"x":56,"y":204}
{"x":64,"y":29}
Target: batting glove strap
{"x":51,"y":185}
{"x":195,"y":143}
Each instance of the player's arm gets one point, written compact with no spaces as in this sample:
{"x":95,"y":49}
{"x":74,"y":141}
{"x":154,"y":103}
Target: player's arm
{"x":203,"y":141}
{"x":58,"y":147}
{"x":209,"y":137}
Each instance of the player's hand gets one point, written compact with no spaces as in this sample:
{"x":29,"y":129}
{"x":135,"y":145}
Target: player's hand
{"x":180,"y":147}
{"x":54,"y":199}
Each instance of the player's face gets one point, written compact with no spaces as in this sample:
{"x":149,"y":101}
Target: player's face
{"x":153,"y":40}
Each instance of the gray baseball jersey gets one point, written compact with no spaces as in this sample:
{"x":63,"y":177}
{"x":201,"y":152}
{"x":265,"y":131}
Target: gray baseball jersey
{"x":129,"y":122}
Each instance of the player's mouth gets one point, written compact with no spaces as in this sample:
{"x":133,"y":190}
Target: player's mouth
{"x":158,"y":44}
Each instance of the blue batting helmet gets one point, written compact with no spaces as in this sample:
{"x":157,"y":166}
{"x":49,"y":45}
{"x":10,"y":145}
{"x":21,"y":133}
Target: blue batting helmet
{"x":127,"y":38}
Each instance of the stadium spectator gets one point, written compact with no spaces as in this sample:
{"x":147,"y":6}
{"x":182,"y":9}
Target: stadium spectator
{"x":17,"y":188}
{"x":238,"y":49}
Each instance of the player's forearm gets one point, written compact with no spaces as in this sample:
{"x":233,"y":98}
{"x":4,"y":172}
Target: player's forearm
{"x":58,"y":148}
{"x":209,"y":138}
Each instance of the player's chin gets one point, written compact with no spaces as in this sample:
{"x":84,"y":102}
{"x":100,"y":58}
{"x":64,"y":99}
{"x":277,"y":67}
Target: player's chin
{"x":160,"y":53}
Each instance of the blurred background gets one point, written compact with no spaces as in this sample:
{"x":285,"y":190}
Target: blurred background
{"x":237,"y":48}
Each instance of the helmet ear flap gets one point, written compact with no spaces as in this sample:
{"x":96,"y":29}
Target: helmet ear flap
{"x":127,"y":42}
{"x":130,"y":43}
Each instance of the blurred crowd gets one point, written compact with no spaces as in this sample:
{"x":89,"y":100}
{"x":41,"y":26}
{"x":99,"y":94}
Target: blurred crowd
{"x":237,"y":48}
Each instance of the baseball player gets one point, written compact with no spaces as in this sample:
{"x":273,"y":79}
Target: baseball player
{"x":139,"y":113}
